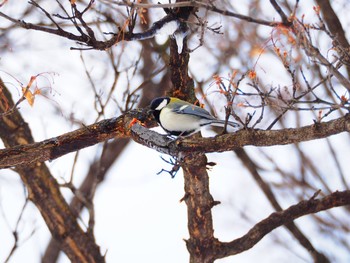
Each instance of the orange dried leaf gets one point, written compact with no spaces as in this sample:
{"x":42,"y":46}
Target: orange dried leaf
{"x":252,"y":74}
{"x":32,"y":79}
{"x":37,"y":91}
{"x":28,"y":95}
{"x":343,"y":98}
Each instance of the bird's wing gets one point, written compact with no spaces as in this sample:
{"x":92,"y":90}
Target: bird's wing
{"x":194,"y":110}
{"x":191,"y":109}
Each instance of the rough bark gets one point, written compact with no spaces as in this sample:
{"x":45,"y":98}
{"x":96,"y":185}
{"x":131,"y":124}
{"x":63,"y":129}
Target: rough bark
{"x":44,"y":192}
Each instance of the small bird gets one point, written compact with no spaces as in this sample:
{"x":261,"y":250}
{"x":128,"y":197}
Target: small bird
{"x":181,"y":118}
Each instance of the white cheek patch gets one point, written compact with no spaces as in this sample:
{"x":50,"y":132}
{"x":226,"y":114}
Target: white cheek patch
{"x":162,"y":105}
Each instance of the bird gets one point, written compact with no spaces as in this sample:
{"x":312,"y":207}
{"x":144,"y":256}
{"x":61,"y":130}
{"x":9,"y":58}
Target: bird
{"x":181,"y":118}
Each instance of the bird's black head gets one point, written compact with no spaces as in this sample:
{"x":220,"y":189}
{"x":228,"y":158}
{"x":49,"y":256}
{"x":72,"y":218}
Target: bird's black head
{"x":157,"y":105}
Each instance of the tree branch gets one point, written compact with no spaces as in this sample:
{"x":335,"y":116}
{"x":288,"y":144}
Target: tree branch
{"x":119,"y":127}
{"x":70,"y":142}
{"x":335,"y":27}
{"x":241,"y":138}
{"x":199,"y":203}
{"x":43,"y":190}
{"x":199,"y":4}
{"x":92,"y":42}
{"x":277,"y":219}
{"x":280,"y":12}
{"x":291,"y":226}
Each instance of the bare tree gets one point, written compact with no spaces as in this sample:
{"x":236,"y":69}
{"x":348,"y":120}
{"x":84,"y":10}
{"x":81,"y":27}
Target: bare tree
{"x":281,"y":73}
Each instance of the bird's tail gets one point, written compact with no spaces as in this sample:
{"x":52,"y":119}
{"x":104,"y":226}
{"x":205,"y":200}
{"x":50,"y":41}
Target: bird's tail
{"x":221,"y":123}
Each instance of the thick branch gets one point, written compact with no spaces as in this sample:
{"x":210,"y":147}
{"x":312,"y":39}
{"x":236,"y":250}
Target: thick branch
{"x":291,"y":226}
{"x":280,"y":218}
{"x":70,"y":142}
{"x":241,"y":138}
{"x":99,"y":169}
{"x":44,"y":192}
{"x":197,"y":194}
{"x":118,"y":127}
{"x":96,"y":174}
{"x":199,"y":204}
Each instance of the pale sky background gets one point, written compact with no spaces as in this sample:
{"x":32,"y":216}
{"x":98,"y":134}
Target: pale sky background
{"x":138,"y":214}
